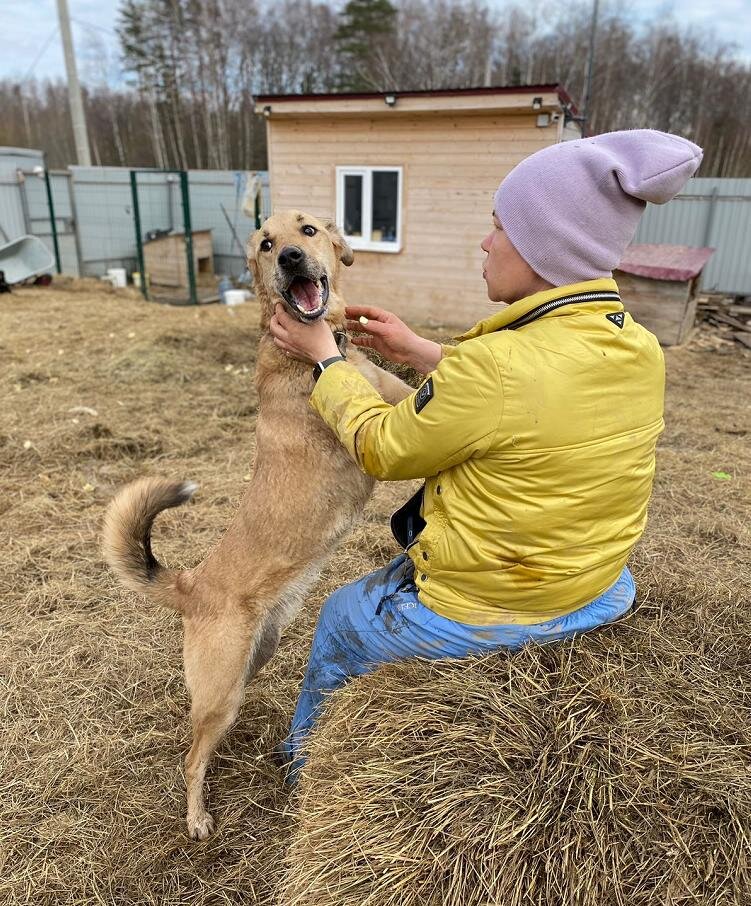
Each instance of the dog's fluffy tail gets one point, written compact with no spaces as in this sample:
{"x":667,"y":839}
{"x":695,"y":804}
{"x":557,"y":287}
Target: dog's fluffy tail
{"x":127,"y":539}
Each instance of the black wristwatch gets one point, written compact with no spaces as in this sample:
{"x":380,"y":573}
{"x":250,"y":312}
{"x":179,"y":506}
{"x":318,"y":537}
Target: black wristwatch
{"x":319,"y":366}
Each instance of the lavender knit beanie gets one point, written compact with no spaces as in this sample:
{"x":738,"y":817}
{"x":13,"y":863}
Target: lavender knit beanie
{"x":571,"y":209}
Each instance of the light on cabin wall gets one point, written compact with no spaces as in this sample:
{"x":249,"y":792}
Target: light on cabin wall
{"x":267,"y":111}
{"x":390,"y":100}
{"x":537,"y":103}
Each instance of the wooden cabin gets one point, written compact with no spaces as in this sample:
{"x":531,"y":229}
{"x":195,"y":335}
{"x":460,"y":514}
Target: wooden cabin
{"x":167,"y":264}
{"x":658,"y":287}
{"x":409,"y":178}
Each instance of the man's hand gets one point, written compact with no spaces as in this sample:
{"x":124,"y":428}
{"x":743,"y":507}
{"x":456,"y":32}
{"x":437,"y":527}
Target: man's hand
{"x":311,"y":342}
{"x":391,"y":338}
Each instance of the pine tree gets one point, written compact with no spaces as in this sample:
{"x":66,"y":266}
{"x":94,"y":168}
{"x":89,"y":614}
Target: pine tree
{"x":365,"y":29}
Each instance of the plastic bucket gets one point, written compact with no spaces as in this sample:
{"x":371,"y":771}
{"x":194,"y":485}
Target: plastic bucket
{"x":234,"y":296}
{"x":118,"y":276}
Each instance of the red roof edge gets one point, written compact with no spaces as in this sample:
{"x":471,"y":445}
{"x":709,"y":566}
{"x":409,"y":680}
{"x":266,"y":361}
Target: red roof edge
{"x":665,"y":262}
{"x":563,"y":95}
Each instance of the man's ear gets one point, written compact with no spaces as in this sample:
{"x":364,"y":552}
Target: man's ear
{"x":345,"y":253}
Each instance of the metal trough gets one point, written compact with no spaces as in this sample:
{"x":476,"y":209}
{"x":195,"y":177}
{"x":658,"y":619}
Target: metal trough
{"x":25,"y":257}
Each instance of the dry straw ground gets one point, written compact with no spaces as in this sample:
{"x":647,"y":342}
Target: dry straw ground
{"x":619,"y":771}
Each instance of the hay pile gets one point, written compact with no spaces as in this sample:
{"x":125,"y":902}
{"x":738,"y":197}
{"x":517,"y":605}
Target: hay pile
{"x":612,"y":770}
{"x":615,"y":770}
{"x":98,"y":387}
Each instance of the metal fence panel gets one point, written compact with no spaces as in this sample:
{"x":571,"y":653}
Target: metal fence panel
{"x":13,"y":221}
{"x":105,"y":215}
{"x":210,"y":191}
{"x":35,"y":192}
{"x":11,"y":211}
{"x":710,"y":212}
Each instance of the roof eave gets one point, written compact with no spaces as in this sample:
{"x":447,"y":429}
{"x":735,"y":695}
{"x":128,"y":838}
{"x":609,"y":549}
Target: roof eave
{"x":267,"y":100}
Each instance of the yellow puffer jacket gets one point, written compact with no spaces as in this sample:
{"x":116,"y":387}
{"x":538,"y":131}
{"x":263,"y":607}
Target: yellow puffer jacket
{"x":536,"y":435}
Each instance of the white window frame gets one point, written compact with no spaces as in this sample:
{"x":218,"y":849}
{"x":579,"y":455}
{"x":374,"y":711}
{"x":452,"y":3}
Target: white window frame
{"x":365,"y":242}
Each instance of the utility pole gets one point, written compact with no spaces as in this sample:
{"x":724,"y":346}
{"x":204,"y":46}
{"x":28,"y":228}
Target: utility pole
{"x":590,"y":63}
{"x":74,"y":89}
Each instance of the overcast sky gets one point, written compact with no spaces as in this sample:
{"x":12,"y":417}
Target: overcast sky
{"x":31,"y":42}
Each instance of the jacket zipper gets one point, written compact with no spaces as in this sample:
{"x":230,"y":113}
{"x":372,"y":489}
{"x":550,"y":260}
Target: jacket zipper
{"x":601,"y":296}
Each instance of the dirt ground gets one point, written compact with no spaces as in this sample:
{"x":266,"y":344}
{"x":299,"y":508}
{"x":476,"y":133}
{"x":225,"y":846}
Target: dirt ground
{"x":98,"y":387}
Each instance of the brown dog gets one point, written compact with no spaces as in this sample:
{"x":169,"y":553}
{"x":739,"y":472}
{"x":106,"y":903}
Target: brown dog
{"x":305,"y":494}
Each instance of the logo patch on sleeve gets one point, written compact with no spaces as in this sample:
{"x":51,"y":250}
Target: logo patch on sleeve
{"x":424,"y":395}
{"x":617,"y":318}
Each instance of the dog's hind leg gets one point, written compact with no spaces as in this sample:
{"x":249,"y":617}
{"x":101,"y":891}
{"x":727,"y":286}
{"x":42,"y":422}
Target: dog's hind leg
{"x":216,"y":659}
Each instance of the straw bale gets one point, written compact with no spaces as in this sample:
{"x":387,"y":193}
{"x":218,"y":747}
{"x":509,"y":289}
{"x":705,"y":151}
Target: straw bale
{"x":613,"y":769}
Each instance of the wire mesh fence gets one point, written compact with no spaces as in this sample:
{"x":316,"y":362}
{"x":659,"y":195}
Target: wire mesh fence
{"x":223,"y":208}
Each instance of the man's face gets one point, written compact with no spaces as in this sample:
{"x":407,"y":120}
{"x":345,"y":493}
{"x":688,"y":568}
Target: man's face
{"x":506,"y":273}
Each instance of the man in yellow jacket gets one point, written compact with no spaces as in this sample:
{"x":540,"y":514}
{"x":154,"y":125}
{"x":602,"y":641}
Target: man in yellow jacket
{"x":535,"y":435}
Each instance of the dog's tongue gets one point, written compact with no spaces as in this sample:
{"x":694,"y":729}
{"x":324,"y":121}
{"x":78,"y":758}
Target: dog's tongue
{"x":305,"y":293}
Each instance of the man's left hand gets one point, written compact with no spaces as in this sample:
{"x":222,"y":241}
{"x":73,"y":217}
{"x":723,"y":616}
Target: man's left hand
{"x":311,"y":342}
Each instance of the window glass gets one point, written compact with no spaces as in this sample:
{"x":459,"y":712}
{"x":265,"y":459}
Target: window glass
{"x":353,"y":204}
{"x":385,"y":200}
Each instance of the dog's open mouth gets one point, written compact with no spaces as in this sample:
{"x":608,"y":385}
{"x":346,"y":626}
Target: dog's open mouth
{"x":308,"y":297}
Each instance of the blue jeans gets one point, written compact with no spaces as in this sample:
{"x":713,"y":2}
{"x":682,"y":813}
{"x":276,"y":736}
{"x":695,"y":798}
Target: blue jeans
{"x":378,"y":620}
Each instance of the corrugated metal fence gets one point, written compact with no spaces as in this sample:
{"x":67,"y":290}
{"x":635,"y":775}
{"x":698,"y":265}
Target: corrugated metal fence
{"x":94,"y":210}
{"x":709,"y":212}
{"x":24,"y":208}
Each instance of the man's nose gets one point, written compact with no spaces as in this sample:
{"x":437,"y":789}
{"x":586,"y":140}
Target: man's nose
{"x":290,"y":255}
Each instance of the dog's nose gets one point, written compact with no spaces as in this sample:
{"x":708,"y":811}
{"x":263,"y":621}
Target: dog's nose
{"x":290,"y":255}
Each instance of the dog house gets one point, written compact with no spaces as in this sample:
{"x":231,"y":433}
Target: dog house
{"x":166,"y":262}
{"x":658,"y":285}
{"x":409,"y":178}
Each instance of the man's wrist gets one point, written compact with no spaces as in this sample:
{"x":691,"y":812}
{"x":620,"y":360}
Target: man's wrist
{"x":427,"y":355}
{"x":320,"y":366}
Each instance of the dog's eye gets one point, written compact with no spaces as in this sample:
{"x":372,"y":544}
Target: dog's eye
{"x":265,"y":246}
{"x":309,"y":230}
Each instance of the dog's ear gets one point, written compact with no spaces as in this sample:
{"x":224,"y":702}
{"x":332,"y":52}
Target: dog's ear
{"x":250,"y":253}
{"x":259,"y":290}
{"x":345,"y":253}
{"x":250,"y":249}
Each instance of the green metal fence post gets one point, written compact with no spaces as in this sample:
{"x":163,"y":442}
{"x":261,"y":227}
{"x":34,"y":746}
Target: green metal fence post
{"x":188,"y":235}
{"x":139,"y":241}
{"x":53,"y":219}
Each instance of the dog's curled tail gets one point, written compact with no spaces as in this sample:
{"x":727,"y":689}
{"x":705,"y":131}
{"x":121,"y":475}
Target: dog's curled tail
{"x":127,"y":538}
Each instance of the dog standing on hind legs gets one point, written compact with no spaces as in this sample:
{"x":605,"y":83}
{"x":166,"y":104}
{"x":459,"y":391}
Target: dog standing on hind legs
{"x":304,"y":495}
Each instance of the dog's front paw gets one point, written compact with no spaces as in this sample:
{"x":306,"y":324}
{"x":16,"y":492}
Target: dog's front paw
{"x":200,"y":826}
